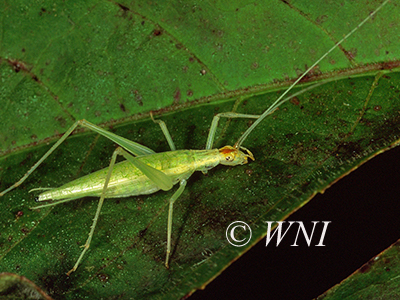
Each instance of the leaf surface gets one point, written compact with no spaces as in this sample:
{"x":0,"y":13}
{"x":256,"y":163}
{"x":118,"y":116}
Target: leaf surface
{"x":112,"y":63}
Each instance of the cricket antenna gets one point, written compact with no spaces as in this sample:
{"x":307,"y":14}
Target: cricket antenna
{"x":279,"y":101}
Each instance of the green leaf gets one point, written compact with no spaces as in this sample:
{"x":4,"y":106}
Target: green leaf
{"x":377,"y":278}
{"x":112,"y":63}
{"x":18,"y":287}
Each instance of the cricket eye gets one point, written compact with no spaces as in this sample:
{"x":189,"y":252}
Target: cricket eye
{"x":228,"y":158}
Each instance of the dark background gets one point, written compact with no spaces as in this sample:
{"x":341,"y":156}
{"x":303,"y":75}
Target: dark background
{"x":363,"y":208}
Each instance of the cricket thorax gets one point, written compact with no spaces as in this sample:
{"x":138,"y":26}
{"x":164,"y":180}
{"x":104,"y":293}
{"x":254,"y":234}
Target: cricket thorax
{"x":205,"y":160}
{"x":232,"y":156}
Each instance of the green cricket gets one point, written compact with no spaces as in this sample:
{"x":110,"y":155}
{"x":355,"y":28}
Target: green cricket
{"x":145,"y":172}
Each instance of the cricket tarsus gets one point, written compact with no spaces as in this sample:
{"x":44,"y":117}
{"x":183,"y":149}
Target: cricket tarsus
{"x":145,"y":172}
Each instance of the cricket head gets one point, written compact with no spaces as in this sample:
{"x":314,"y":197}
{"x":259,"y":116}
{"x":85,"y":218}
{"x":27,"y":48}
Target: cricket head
{"x":232,"y":156}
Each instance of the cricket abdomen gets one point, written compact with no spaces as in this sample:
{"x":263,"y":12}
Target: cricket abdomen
{"x":127,"y":180}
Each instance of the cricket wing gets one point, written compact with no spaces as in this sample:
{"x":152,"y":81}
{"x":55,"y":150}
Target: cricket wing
{"x":158,"y":177}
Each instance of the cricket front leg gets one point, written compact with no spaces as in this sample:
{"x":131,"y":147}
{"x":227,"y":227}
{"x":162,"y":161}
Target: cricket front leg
{"x":165,"y":131}
{"x":214,"y":124}
{"x":174,"y":197}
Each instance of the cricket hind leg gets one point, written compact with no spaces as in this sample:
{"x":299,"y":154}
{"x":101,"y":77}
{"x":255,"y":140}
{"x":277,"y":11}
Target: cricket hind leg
{"x":118,"y":151}
{"x":174,"y":197}
{"x":131,"y":146}
{"x":34,"y":167}
{"x":165,"y":131}
{"x":134,"y":161}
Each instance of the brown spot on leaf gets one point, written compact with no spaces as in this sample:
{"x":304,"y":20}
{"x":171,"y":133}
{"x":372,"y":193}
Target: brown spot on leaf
{"x":365,"y":268}
{"x":61,"y":120}
{"x":17,"y":65}
{"x":138,"y":97}
{"x":42,"y":10}
{"x":321,"y":19}
{"x":122,"y":107}
{"x":103,"y":277}
{"x":295,"y":101}
{"x":347,"y":150}
{"x":123,"y":7}
{"x":142,"y":232}
{"x":177,"y":96}
{"x":352,"y":53}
